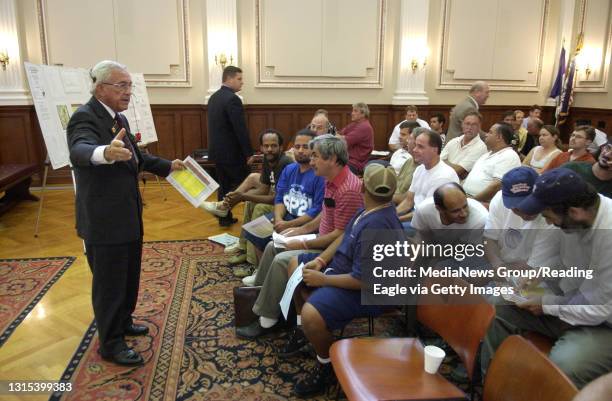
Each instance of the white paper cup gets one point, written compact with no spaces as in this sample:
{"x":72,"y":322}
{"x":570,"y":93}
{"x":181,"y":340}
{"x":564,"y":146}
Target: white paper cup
{"x":433,"y":358}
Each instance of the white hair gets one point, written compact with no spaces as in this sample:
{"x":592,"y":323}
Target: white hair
{"x":101,"y":71}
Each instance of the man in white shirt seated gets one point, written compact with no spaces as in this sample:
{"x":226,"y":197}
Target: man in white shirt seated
{"x":578,"y":314}
{"x":462,"y":152}
{"x":512,"y":235}
{"x":412,"y":115}
{"x":428,"y":176}
{"x":401,"y":155}
{"x":449,"y":208}
{"x":484,"y":180}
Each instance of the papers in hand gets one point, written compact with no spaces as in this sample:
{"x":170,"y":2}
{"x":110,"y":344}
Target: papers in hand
{"x":193,"y":182}
{"x":514,"y":298}
{"x":280,"y":240}
{"x":224,"y":239}
{"x":261,"y":227}
{"x":294,"y":281}
{"x":380,"y":153}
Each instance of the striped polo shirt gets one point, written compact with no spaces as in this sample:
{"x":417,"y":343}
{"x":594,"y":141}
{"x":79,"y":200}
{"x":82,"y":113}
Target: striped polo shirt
{"x":345,"y":190}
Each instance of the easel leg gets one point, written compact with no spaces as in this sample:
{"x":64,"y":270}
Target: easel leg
{"x":42,"y":196}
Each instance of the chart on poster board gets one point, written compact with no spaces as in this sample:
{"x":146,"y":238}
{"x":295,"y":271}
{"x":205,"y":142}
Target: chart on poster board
{"x":57,"y":92}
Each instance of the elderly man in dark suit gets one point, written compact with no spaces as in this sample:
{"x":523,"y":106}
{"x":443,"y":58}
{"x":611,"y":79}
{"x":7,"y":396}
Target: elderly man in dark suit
{"x":478,"y":95}
{"x":106,"y":164}
{"x":228,"y":138}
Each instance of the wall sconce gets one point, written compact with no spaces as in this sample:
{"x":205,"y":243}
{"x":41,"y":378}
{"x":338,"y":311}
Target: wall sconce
{"x":221,"y":60}
{"x":4,"y":59}
{"x":589,"y":60}
{"x":417,"y":64}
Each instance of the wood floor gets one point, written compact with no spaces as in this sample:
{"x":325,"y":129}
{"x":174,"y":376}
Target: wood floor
{"x":42,"y":345}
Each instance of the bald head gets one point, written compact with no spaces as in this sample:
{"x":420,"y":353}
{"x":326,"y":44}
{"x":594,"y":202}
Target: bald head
{"x":452,"y":204}
{"x":319,"y":124}
{"x":480,"y":92}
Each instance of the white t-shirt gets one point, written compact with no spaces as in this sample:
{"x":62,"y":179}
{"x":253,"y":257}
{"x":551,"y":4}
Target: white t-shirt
{"x":398,"y":159}
{"x":517,"y":238}
{"x":490,"y":167}
{"x":425,"y":182}
{"x":394,"y":138}
{"x":464,"y":156}
{"x":427,"y":217}
{"x":601,"y":138}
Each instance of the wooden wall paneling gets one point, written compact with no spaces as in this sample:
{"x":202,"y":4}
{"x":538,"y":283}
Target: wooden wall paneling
{"x":14,"y":132}
{"x":165,"y":125}
{"x":192,"y":133}
{"x":380,"y":123}
{"x":285,"y":123}
{"x":257,"y":122}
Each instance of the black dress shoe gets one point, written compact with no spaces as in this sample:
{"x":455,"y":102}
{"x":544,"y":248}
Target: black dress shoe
{"x":296,"y":341}
{"x":254,"y":330}
{"x":227,"y":221}
{"x":136,"y":330}
{"x":127,"y":357}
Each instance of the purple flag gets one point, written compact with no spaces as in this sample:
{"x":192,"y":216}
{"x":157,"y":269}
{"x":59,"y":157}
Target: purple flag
{"x":558,"y":85}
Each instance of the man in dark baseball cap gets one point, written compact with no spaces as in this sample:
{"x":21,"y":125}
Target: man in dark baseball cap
{"x":553,"y":188}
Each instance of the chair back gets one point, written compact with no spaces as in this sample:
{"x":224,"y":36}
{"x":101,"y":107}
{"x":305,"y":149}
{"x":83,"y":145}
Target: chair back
{"x":462,"y":321}
{"x":519,"y":371}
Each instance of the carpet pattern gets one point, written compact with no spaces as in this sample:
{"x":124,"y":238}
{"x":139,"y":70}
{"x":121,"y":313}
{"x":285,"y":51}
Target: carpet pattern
{"x":191,"y":351}
{"x":23,"y":282}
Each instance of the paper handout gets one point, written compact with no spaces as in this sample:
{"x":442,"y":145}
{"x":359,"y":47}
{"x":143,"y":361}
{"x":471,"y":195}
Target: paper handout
{"x":193,"y":183}
{"x":294,"y":281}
{"x":261,"y":227}
{"x":224,"y":239}
{"x":280,"y":240}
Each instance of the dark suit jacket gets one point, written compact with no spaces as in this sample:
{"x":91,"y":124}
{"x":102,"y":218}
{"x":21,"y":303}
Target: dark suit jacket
{"x":108,"y":202}
{"x":228,"y":136}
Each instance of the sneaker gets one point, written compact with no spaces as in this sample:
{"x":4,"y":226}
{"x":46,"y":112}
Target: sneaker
{"x":249,"y":281}
{"x":237,"y":247}
{"x":296,"y":340}
{"x":216,"y":208}
{"x":237,"y":259}
{"x":316,"y":382}
{"x":242,"y":271}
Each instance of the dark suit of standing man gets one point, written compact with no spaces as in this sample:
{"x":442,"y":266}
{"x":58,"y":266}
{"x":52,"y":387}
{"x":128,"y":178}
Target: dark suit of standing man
{"x":228,"y":137}
{"x":106,"y":164}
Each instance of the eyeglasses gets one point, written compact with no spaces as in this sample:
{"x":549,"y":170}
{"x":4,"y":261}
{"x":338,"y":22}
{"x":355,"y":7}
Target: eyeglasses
{"x":122,"y":86}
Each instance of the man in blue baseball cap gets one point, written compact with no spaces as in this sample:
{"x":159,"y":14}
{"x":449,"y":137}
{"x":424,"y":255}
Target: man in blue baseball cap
{"x":578,"y":315}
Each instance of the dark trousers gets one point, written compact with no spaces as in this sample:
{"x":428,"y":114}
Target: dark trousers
{"x":116,"y":277}
{"x":229,"y":177}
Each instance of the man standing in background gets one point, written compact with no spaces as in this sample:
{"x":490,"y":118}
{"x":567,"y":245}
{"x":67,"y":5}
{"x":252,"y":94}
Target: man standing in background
{"x":478,"y":95}
{"x":228,"y":137}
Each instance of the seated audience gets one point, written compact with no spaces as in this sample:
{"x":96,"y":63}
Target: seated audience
{"x":484,"y":180}
{"x":436,"y":123}
{"x":599,"y":174}
{"x":336,"y":277}
{"x":401,"y":155}
{"x":412,"y":115}
{"x":580,"y":140}
{"x":478,"y":95}
{"x":342,"y":199}
{"x":359,"y":137}
{"x":577,"y":315}
{"x":257,"y":190}
{"x":462,"y":152}
{"x":601,"y":138}
{"x":541,"y":155}
{"x":535,"y":112}
{"x":432,"y":173}
{"x":533,"y":133}
{"x":299,"y":194}
{"x":321,"y":124}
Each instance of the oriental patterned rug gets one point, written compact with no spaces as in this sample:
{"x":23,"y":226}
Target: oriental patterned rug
{"x":191,"y":351}
{"x":23,"y":282}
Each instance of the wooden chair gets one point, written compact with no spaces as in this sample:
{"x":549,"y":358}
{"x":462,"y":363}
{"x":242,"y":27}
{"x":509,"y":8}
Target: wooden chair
{"x":519,"y":371}
{"x":392,"y":368}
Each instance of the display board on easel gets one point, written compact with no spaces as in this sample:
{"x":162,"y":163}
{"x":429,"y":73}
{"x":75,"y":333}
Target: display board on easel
{"x":58,"y":92}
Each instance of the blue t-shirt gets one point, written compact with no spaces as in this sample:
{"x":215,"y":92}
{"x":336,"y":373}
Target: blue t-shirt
{"x":301,"y":193}
{"x":347,"y":258}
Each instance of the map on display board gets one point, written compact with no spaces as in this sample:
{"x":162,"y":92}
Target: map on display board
{"x":58,"y":92}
